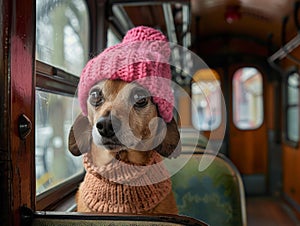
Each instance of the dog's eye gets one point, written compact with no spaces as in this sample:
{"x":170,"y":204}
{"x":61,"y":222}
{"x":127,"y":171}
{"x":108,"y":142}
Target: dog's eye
{"x":140,"y":98}
{"x":96,"y":97}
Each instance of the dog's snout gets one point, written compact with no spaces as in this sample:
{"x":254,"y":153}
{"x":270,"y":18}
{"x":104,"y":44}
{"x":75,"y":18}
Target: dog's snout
{"x":108,"y":126}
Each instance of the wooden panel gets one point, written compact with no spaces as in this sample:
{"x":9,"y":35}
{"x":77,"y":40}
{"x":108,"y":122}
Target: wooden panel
{"x":291,"y":169}
{"x":184,"y":108}
{"x":22,"y":102}
{"x":291,"y":172}
{"x":5,"y":172}
{"x":248,"y":150}
{"x":270,"y":105}
{"x":52,"y":79}
{"x":296,"y":174}
{"x":147,"y":15}
{"x":291,"y":155}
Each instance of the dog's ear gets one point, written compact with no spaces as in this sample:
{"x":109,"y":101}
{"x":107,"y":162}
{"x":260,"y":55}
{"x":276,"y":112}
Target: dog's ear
{"x":171,"y":145}
{"x":80,"y":136}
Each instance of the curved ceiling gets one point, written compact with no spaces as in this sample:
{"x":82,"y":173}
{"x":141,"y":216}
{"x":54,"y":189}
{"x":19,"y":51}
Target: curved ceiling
{"x":254,"y":18}
{"x":272,"y":9}
{"x":257,"y":19}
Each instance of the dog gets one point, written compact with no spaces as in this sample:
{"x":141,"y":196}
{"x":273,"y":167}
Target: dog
{"x":122,"y":126}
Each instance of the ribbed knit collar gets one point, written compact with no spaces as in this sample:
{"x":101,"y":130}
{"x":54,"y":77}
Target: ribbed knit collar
{"x":119,"y":187}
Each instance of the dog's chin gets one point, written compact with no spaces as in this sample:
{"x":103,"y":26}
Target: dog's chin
{"x":114,"y":147}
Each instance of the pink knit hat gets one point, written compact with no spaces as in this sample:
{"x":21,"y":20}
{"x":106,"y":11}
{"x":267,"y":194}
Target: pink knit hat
{"x":142,"y":57}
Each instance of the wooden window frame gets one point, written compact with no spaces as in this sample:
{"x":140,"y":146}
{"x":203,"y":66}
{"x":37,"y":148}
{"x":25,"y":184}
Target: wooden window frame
{"x":17,"y":66}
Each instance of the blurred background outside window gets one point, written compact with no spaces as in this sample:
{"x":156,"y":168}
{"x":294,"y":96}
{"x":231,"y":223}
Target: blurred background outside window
{"x":62,"y":41}
{"x":247,"y":98}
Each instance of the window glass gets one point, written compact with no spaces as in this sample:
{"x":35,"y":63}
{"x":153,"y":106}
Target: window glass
{"x":293,"y":89}
{"x":62,"y":30}
{"x":62,"y":40}
{"x":54,"y":162}
{"x":292,"y":114}
{"x":247,"y":98}
{"x":112,"y":38}
{"x":206,"y":100}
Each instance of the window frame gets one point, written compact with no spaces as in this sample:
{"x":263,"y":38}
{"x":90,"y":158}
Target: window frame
{"x":55,"y":80}
{"x":17,"y":99}
{"x":286,"y":105}
{"x":233,"y":102}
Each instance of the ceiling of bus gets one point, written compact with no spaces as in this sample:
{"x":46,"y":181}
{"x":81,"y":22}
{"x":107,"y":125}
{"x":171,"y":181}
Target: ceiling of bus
{"x":259,"y":19}
{"x":254,"y":18}
{"x":272,"y":9}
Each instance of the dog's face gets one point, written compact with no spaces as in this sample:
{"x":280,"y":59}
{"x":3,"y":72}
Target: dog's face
{"x":122,"y":118}
{"x":120,"y":114}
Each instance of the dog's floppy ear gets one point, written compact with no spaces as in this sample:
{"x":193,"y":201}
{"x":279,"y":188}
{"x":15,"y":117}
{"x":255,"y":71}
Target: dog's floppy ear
{"x":171,"y":145}
{"x":80,"y":136}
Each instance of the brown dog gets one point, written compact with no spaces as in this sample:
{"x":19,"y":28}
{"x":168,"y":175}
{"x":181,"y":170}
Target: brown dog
{"x":122,"y":132}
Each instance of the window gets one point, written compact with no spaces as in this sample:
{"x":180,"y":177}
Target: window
{"x":112,"y":38}
{"x":62,"y":34}
{"x":206,"y":100}
{"x":247,"y":98}
{"x":292,"y":107}
{"x":54,"y":162}
{"x":62,"y":47}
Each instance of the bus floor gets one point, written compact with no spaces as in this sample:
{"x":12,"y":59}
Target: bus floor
{"x":269,"y":211}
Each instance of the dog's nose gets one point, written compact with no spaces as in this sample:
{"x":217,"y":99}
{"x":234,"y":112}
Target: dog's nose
{"x":108,"y":126}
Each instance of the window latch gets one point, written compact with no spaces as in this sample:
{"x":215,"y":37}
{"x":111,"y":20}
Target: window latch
{"x":24,"y":126}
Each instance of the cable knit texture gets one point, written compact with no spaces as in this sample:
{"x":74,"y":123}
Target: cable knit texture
{"x":119,"y":187}
{"x":142,"y":57}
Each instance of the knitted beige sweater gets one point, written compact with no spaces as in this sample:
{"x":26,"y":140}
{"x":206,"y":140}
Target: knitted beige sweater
{"x":119,"y":187}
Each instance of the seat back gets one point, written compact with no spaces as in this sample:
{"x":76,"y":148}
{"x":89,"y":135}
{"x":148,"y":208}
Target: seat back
{"x":215,"y":195}
{"x":51,"y":218}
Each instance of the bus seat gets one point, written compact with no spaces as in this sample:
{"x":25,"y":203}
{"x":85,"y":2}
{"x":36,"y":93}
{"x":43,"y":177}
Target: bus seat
{"x":51,"y":218}
{"x":215,"y":195}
